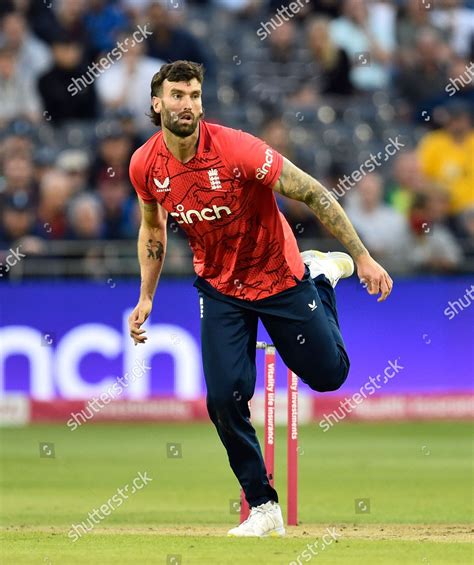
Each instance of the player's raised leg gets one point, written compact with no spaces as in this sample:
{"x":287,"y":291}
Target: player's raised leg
{"x":304,"y":326}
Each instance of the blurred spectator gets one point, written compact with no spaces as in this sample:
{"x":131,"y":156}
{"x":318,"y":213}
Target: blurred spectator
{"x":333,"y":64}
{"x":66,"y":19}
{"x":368,"y":37}
{"x":113,"y":154}
{"x":408,"y":182}
{"x":135,"y":8}
{"x":330,"y":8}
{"x":33,"y":57}
{"x":17,"y":219}
{"x":18,"y":141}
{"x":447,"y":157}
{"x":6,"y":7}
{"x":457,"y":22}
{"x":104,"y":22}
{"x":239,"y":8}
{"x":116,"y":200}
{"x":75,"y":164}
{"x":56,"y":87}
{"x":434,"y":247}
{"x":55,"y":191}
{"x":85,"y":217}
{"x":18,"y":95}
{"x":461,"y":80}
{"x":384,"y":231}
{"x":170,"y":42}
{"x":412,"y":18}
{"x":126,"y":84}
{"x":427,"y":76}
{"x":279,"y":69}
{"x":43,"y":162}
{"x":18,"y":178}
{"x":125,"y":119}
{"x":278,"y":135}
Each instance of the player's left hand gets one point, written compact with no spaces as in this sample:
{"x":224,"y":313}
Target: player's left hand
{"x":137,"y":318}
{"x":374,"y":276}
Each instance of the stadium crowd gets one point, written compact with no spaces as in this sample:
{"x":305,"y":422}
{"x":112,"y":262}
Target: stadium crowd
{"x":373,"y":98}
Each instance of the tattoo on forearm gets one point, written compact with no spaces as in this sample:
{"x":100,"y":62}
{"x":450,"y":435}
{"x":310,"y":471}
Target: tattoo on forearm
{"x":155,"y":250}
{"x":298,"y":185}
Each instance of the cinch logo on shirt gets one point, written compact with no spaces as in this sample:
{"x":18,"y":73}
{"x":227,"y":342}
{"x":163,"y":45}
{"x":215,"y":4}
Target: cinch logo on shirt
{"x":206,"y":214}
{"x":263,"y":171}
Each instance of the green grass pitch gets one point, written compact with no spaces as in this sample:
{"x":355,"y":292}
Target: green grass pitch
{"x":417,"y":478}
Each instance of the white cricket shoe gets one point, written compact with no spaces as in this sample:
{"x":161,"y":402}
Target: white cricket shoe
{"x":333,"y":265}
{"x":263,"y":521}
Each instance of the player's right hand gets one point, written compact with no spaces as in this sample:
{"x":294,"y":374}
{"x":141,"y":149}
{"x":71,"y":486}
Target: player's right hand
{"x":137,"y":318}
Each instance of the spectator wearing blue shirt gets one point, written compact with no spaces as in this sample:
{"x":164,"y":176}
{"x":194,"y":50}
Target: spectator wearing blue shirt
{"x":103,"y":23}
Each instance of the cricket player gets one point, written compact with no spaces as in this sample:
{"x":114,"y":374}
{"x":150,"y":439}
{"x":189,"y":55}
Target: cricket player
{"x":217,"y":183}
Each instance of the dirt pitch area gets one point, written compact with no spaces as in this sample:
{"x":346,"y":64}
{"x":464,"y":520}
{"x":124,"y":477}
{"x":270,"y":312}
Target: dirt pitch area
{"x":378,"y":532}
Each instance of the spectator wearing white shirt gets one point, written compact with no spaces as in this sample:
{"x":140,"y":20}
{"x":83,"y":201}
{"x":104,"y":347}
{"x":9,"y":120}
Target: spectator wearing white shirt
{"x":367,"y":34}
{"x":33,"y":56}
{"x":457,"y":22}
{"x":383,"y":230}
{"x":18,"y":94}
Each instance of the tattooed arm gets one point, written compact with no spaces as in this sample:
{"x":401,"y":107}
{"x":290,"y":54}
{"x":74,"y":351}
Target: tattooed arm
{"x":151,"y":255}
{"x":151,"y":246}
{"x":296,"y":184}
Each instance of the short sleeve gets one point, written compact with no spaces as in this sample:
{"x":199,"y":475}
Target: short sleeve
{"x":255,"y":160}
{"x":137,"y":176}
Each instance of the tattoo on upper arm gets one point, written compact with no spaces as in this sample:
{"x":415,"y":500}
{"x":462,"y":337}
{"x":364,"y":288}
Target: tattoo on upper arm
{"x":296,"y":184}
{"x":155,"y":250}
{"x":153,"y":214}
{"x":149,"y":206}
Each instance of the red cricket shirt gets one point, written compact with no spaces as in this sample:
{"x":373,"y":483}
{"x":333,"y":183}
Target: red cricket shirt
{"x":222,"y":198}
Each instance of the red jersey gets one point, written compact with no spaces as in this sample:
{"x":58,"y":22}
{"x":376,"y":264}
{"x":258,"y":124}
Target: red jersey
{"x":222,"y":198}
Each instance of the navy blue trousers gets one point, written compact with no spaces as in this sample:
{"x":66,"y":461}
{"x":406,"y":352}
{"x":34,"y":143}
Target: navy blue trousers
{"x":303,"y":325}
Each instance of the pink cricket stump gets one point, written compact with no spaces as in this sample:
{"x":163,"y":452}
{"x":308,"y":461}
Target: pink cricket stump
{"x":269,"y":450}
{"x":292,"y":428}
{"x":269,"y":453}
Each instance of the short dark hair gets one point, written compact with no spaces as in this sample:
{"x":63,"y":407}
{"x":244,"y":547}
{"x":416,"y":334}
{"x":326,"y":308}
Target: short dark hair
{"x":178,"y":71}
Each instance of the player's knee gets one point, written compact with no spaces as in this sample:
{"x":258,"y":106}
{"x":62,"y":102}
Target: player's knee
{"x":224,"y":411}
{"x":327,"y":385}
{"x":329,"y":379}
{"x":224,"y":401}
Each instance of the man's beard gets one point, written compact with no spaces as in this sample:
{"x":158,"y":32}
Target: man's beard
{"x":171,"y":121}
